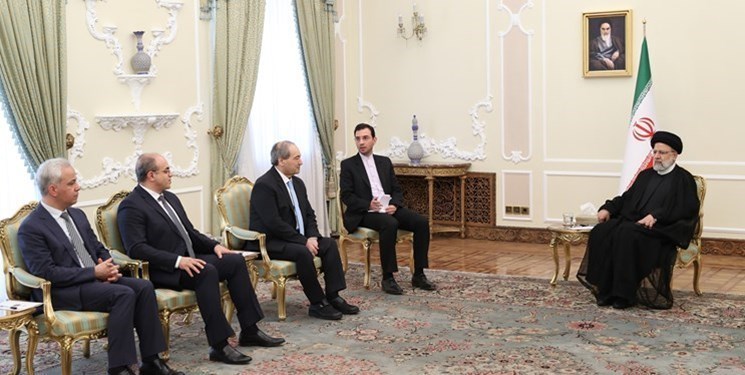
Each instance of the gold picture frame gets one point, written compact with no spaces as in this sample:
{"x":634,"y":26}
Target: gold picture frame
{"x":609,"y":54}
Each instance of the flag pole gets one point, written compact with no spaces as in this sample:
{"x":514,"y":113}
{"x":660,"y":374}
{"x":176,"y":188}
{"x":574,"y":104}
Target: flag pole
{"x":644,"y":22}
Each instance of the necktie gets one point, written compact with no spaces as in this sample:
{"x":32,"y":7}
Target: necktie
{"x":77,"y":242}
{"x":296,"y":206}
{"x":179,"y":226}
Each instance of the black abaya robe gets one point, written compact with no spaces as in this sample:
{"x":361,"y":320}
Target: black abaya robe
{"x":626,"y":260}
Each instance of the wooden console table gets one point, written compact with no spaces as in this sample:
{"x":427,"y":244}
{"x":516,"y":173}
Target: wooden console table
{"x":430,"y":171}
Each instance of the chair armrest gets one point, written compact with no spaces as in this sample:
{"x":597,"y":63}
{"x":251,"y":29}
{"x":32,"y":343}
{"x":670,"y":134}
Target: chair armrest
{"x":249,"y":235}
{"x":28,"y":280}
{"x":131,"y":264}
{"x":125,"y":262}
{"x":244,"y":234}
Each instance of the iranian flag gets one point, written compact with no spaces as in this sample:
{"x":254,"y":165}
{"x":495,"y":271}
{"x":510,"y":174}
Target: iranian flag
{"x":642,"y":126}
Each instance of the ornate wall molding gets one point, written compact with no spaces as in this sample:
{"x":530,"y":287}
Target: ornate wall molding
{"x":161,"y":36}
{"x":516,"y":156}
{"x":448,"y":148}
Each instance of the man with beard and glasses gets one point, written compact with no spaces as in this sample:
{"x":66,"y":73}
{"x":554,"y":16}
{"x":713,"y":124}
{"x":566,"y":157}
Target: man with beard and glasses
{"x":606,"y":50}
{"x":630,"y":253}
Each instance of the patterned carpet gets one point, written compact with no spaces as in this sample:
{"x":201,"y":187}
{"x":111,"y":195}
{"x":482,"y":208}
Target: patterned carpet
{"x":474,"y":324}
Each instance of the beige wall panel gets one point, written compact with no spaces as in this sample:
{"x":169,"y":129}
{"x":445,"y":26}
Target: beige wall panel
{"x":180,"y":87}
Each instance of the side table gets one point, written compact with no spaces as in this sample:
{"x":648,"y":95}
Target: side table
{"x":561,"y":235}
{"x":12,"y":321}
{"x":430,"y":171}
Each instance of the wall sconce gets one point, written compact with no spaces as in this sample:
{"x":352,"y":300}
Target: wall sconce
{"x":205,"y":9}
{"x":418,"y":27}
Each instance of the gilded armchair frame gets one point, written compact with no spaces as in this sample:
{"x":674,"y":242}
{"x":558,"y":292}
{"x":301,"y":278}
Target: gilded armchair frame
{"x":19,"y":283}
{"x":109,"y":234}
{"x":367,"y":237}
{"x":236,"y":192}
{"x":692,"y":254}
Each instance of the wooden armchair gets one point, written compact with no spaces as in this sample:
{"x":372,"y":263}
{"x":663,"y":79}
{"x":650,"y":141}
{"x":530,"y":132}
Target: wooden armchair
{"x":367,"y":237}
{"x":234,"y":205}
{"x":169,"y":301}
{"x":61,"y":326}
{"x":692,"y":254}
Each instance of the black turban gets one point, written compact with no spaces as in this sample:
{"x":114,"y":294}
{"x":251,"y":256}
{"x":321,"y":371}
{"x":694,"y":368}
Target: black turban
{"x":669,"y":139}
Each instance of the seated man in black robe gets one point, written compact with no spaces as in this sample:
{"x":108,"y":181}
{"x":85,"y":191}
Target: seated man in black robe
{"x":630,"y":253}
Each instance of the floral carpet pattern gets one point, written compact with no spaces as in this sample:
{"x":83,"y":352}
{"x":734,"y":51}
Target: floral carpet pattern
{"x":473,"y":324}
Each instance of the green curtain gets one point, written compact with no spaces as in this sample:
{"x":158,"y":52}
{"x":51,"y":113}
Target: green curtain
{"x":34,"y":75}
{"x":316,"y":27}
{"x":238,"y":30}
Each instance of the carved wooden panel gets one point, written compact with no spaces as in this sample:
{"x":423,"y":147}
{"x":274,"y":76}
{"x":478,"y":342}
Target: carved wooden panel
{"x":480,"y":198}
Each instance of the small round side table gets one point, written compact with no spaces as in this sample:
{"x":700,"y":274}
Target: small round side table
{"x":561,"y":235}
{"x":12,"y":320}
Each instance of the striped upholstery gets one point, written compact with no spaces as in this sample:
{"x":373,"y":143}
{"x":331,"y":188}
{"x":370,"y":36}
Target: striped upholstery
{"x":71,"y":323}
{"x":64,"y":327}
{"x":169,"y":299}
{"x":234,"y":205}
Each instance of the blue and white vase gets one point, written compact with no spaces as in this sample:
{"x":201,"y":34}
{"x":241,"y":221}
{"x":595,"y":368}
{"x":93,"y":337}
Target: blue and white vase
{"x":415,"y":151}
{"x":141,"y":60}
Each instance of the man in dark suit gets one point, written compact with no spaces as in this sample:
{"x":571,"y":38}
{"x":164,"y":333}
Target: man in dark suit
{"x":58,"y":244}
{"x":281,"y":210}
{"x":154,"y":227}
{"x":365,"y":178}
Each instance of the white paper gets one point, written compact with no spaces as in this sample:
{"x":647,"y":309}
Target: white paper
{"x":250,"y":254}
{"x":14,"y":305}
{"x":384,"y":199}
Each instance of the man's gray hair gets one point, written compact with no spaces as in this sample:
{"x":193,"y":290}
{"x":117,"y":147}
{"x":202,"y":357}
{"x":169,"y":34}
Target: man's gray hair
{"x":280,"y":150}
{"x":50,"y":172}
{"x":145,"y":163}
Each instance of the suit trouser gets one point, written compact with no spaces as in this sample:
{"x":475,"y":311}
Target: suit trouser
{"x":388,"y":226}
{"x":206,"y":285}
{"x":333,"y":273}
{"x":131,"y":305}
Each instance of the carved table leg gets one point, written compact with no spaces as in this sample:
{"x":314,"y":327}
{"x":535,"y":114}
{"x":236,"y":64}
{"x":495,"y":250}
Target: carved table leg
{"x":554,"y":244}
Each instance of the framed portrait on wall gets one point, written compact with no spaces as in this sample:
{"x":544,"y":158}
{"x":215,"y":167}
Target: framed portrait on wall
{"x":606,"y":47}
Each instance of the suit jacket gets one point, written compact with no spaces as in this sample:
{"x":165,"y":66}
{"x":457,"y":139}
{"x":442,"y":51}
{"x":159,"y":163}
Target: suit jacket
{"x":148,"y":233}
{"x":49,"y":254}
{"x":356,"y":190}
{"x":273,"y":213}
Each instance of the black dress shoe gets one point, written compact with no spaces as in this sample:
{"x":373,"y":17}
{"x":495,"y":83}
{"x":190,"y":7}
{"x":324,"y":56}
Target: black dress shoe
{"x":228,"y":355}
{"x":324,"y":310}
{"x":390,"y":286}
{"x":604,"y":300}
{"x":157,"y":367}
{"x":259,"y":339}
{"x":342,"y":306}
{"x":421,"y":282}
{"x":620,"y":304}
{"x":125,"y":370}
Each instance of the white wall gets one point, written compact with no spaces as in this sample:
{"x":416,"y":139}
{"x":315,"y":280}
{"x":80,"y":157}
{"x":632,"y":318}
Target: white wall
{"x":569,"y":131}
{"x":98,"y":69}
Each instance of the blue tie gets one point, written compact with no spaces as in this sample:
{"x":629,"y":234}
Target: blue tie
{"x":296,"y":206}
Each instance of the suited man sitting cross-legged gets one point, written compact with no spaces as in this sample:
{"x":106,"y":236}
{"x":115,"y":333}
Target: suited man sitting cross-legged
{"x":58,"y":244}
{"x":154,"y":227}
{"x":281,"y":210}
